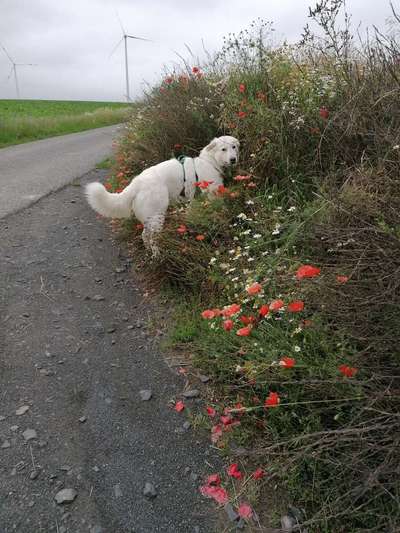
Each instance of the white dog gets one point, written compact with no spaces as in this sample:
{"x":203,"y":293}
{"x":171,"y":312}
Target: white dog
{"x":150,"y":193}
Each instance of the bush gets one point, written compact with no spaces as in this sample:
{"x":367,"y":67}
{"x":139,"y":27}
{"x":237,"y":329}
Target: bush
{"x":319,"y":130}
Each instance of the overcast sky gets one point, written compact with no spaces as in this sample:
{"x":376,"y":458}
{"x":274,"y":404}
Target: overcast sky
{"x":71,"y":40}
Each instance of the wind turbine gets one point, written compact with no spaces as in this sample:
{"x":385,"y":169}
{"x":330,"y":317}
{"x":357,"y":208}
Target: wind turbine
{"x":125,"y":37}
{"x":14,"y":69}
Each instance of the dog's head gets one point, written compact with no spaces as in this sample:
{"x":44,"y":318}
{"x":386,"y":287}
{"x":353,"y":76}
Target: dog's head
{"x":225,"y":151}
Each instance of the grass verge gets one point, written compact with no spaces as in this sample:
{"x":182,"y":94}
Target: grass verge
{"x":28,"y":120}
{"x":287,"y":283}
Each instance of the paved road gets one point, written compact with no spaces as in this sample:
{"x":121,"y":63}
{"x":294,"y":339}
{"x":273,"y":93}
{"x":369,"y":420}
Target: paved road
{"x":75,"y":352}
{"x":29,"y":171}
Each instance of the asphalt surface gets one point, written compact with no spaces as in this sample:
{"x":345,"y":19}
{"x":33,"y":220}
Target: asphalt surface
{"x":75,"y":354}
{"x":29,"y":171}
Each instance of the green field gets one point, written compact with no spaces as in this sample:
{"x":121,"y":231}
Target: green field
{"x":28,"y":120}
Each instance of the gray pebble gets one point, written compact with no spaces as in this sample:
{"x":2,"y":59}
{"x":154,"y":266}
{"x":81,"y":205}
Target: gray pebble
{"x":145,"y":394}
{"x":34,"y":474}
{"x":193,"y":393}
{"x":149,"y":490}
{"x":287,"y":523}
{"x":6,"y":444}
{"x":65,"y":496}
{"x":22,"y":410}
{"x":98,"y":298}
{"x":117,"y":490}
{"x":29,"y":434}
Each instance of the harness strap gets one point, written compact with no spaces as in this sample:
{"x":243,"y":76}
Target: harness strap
{"x":181,"y":160}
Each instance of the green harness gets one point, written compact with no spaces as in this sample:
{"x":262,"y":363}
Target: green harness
{"x":181,"y":160}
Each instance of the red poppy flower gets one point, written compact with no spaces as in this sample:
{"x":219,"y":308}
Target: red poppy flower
{"x":108,"y":186}
{"x":287,"y":362}
{"x":216,"y":433}
{"x":324,"y":113}
{"x":231,"y":310}
{"x":182,"y":229}
{"x":348,"y":371}
{"x":296,"y":306}
{"x":258,"y":474}
{"x":179,"y":406}
{"x":275,"y":305}
{"x":342,"y":279}
{"x":200,"y":237}
{"x":246,"y":320}
{"x":214,"y":479}
{"x":208,"y":314}
{"x":211,"y":412}
{"x":222,"y":189}
{"x":255,"y":288}
{"x":264,"y":310}
{"x":245,"y":511}
{"x":244,"y":332}
{"x":307,"y":271}
{"x":273,"y":400}
{"x":169,"y":80}
{"x":242,"y":87}
{"x":233,"y":471}
{"x":261,"y":96}
{"x":195,"y":70}
{"x":251,"y":185}
{"x":227,"y":420}
{"x":242,"y":114}
{"x":218,"y":494}
{"x":177,"y":146}
{"x":203,"y":184}
{"x":119,"y":190}
{"x":139,"y":226}
{"x":234,"y":195}
{"x":228,"y":325}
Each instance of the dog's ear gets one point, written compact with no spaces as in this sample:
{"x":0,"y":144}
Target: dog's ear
{"x":212,"y":145}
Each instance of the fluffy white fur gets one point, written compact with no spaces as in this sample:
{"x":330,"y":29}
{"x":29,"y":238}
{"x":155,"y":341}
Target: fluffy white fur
{"x":151,"y":192}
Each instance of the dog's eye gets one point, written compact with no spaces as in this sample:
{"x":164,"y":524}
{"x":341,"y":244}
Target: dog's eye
{"x":224,"y":149}
{"x":234,"y":147}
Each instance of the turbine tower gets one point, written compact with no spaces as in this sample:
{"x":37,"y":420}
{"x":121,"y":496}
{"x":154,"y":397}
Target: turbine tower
{"x":14,"y":69}
{"x":125,"y":38}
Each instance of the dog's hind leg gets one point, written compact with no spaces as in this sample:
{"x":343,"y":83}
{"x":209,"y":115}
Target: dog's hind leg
{"x":151,"y":231}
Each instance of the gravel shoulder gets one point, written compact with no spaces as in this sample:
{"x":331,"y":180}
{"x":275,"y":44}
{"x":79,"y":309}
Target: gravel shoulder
{"x":75,"y":354}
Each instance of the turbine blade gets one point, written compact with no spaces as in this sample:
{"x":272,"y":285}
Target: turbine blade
{"x":115,"y":47}
{"x":120,"y":22}
{"x":7,"y":54}
{"x":140,"y":38}
{"x":11,"y":71}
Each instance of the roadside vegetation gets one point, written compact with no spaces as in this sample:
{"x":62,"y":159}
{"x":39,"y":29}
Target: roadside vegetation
{"x":28,"y":120}
{"x":287,"y":285}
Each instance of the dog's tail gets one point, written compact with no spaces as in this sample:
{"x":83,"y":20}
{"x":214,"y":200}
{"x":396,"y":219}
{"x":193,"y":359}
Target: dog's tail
{"x":112,"y":205}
